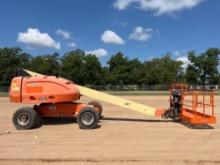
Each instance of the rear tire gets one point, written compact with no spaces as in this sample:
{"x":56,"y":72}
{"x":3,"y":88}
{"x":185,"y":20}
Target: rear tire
{"x":25,"y":118}
{"x":97,"y":105}
{"x":87,"y":118}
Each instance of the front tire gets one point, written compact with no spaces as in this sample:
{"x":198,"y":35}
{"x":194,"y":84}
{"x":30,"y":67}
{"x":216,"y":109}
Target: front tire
{"x":87,"y":118}
{"x":25,"y":118}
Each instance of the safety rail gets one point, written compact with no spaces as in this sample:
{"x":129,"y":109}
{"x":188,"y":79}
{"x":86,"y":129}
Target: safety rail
{"x":197,"y":106}
{"x":199,"y":101}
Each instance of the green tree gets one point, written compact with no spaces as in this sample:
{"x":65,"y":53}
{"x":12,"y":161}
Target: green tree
{"x":72,"y":66}
{"x":46,"y":64}
{"x":134,"y":74}
{"x":87,"y":69}
{"x":118,"y":69}
{"x":162,"y":70}
{"x":10,"y":60}
{"x":92,"y":70}
{"x":204,"y":67}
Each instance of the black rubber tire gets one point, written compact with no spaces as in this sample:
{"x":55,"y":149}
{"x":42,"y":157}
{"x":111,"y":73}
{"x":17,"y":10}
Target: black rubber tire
{"x":38,"y":122}
{"x":96,"y":104}
{"x":92,"y":113}
{"x":30,"y":113}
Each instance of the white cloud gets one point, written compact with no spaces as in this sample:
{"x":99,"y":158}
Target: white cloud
{"x":72,"y":44}
{"x":185,"y":61}
{"x":141,"y":34}
{"x":33,"y":38}
{"x":111,"y":37}
{"x":65,"y":34}
{"x":158,"y":6}
{"x":98,"y":52}
{"x":122,"y":4}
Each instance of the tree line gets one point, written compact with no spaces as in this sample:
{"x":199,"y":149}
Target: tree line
{"x":84,"y":69}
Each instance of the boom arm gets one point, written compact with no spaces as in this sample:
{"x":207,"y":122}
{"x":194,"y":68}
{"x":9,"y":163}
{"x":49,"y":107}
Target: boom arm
{"x":117,"y":101}
{"x":112,"y":99}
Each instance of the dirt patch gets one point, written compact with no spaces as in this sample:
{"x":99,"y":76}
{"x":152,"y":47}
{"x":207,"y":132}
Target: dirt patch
{"x":125,"y":137}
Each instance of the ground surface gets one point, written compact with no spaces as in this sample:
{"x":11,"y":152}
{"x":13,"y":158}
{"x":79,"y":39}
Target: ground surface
{"x":125,"y":137}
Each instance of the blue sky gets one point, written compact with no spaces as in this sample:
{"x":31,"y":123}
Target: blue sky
{"x":139,"y":28}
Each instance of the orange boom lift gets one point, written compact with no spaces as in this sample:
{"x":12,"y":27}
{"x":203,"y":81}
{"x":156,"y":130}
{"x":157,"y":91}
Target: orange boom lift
{"x":57,"y":97}
{"x":51,"y":97}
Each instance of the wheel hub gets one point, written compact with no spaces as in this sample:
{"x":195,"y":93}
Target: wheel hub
{"x":23,"y":119}
{"x":87,"y":118}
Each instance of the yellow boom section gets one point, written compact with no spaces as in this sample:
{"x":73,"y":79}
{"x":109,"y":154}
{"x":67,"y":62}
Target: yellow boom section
{"x":110,"y":99}
{"x":117,"y":101}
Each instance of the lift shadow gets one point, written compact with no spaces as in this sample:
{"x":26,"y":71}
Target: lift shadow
{"x":204,"y":126}
{"x":137,"y":120}
{"x":198,"y":126}
{"x":59,"y":121}
{"x":64,"y":121}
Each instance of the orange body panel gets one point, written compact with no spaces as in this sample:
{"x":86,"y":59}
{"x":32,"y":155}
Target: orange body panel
{"x":15,"y":90}
{"x":196,"y":117}
{"x":68,"y":109}
{"x":43,"y":89}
